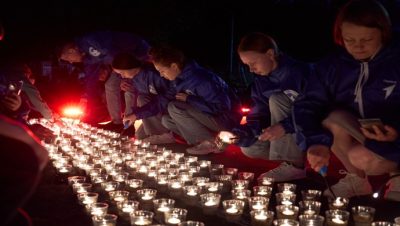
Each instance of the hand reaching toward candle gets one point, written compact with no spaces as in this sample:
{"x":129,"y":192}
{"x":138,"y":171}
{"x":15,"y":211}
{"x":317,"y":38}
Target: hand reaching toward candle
{"x":388,"y":135}
{"x":227,"y":137}
{"x":272,"y":133}
{"x":129,"y":120}
{"x":318,"y":156}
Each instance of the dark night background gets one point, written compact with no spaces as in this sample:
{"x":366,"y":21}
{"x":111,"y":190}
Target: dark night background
{"x":208,"y":30}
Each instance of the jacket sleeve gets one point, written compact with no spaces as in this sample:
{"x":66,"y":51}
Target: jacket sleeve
{"x":210,"y":98}
{"x":36,"y":100}
{"x":309,"y":110}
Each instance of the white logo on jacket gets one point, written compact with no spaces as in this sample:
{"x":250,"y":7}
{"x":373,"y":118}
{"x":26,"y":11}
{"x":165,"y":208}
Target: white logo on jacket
{"x":152,"y":90}
{"x":189,"y":92}
{"x":291,"y":94}
{"x":94,"y":52}
{"x":389,"y":89}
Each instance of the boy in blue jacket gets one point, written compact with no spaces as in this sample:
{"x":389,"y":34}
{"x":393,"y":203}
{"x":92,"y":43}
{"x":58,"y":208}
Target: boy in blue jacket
{"x":359,"y":81}
{"x":150,"y":89}
{"x":268,"y":133}
{"x":96,"y":51}
{"x":200,"y":103}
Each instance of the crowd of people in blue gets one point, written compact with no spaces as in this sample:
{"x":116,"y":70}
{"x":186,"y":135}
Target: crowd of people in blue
{"x":345,"y":105}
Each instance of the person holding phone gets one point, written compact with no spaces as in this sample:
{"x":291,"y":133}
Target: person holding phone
{"x":359,"y":81}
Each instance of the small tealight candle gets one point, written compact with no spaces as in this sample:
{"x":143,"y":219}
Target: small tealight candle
{"x":191,"y":190}
{"x":363,"y":215}
{"x":258,"y":203}
{"x":98,"y":209}
{"x":265,"y":191}
{"x":261,"y":217}
{"x":141,"y":217}
{"x":338,"y":203}
{"x":134,"y":183}
{"x":285,"y":222}
{"x":241,"y":194}
{"x":309,"y":207}
{"x":233,"y":206}
{"x":128,"y":206}
{"x":147,"y":194}
{"x":105,"y":220}
{"x":311,"y":220}
{"x":287,"y":212}
{"x":175,"y":216}
{"x":266,"y":181}
{"x":337,"y":217}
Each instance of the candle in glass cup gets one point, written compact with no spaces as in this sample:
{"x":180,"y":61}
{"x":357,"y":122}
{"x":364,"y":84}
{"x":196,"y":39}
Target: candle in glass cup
{"x":74,"y":179}
{"x":309,"y":207}
{"x":243,"y":194}
{"x":397,"y":221}
{"x":161,"y":206}
{"x":311,"y":195}
{"x":134,"y":183}
{"x":233,"y":206}
{"x":110,"y":185}
{"x":286,"y":188}
{"x":200,"y":181}
{"x":311,"y":220}
{"x":285,"y":198}
{"x":246,"y":176}
{"x":81,"y":187}
{"x":214,"y":187}
{"x":363,"y":215}
{"x":210,"y":203}
{"x":287,"y":212}
{"x":240,"y":184}
{"x":98,"y":209}
{"x":118,"y":196}
{"x":336,"y":217}
{"x":258,"y":203}
{"x":191,"y":190}
{"x":261,"y":217}
{"x":105,"y":220}
{"x":285,"y":222}
{"x":141,"y":217}
{"x":266,"y":181}
{"x":231,"y":171}
{"x":147,"y":194}
{"x":128,"y":206}
{"x":204,"y":164}
{"x":338,"y":203}
{"x":265,"y":191}
{"x":191,"y":223}
{"x":175,"y":216}
{"x":89,"y":198}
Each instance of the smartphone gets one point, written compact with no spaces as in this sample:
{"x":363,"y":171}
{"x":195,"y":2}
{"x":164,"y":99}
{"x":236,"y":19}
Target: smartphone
{"x":367,"y":123}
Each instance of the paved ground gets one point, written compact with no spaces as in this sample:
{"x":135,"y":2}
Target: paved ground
{"x":54,"y":204}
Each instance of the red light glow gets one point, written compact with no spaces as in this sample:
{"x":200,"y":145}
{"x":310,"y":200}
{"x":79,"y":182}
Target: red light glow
{"x":245,"y":110}
{"x":72,"y":112}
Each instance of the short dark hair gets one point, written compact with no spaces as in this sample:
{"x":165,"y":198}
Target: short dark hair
{"x":258,"y":42}
{"x":125,"y":61}
{"x":166,"y":55}
{"x":65,"y":48}
{"x":368,"y":13}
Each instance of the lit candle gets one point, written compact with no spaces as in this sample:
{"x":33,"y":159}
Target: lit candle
{"x":147,"y":196}
{"x":232,"y":210}
{"x":309,"y":212}
{"x":191,"y":192}
{"x":174,"y":220}
{"x":176,"y":185}
{"x":260,"y":216}
{"x":210,"y":202}
{"x":128,"y":209}
{"x":258,"y":206}
{"x":286,"y":202}
{"x":142,"y":221}
{"x":288,"y":212}
{"x":337,"y":220}
{"x":338,"y":203}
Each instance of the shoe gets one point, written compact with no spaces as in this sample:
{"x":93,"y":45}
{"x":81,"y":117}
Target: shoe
{"x":349,"y":186}
{"x":285,"y":172}
{"x":165,"y":138}
{"x":393,"y":190}
{"x":112,"y":127}
{"x":204,"y":148}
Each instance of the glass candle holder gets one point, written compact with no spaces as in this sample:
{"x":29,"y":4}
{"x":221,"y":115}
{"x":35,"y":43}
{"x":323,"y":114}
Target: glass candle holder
{"x":311,"y":220}
{"x":240,"y":184}
{"x":175,"y":216}
{"x":214,"y":187}
{"x":98,"y":209}
{"x":287,"y":212}
{"x":231,"y":171}
{"x":264,"y":191}
{"x":285,"y":198}
{"x":200,"y":181}
{"x":337,"y":217}
{"x":286,"y":188}
{"x":191,"y":223}
{"x":118,"y":196}
{"x":363,"y":215}
{"x":285,"y":222}
{"x":233,"y":206}
{"x":65,"y":169}
{"x":76,"y":179}
{"x":204,"y":164}
{"x":161,"y":206}
{"x":81,"y":187}
{"x":261,"y":217}
{"x":249,"y":176}
{"x":309,"y":207}
{"x":141,"y":217}
{"x":105,"y":220}
{"x":110,"y":186}
{"x":258,"y":203}
{"x":128,"y":206}
{"x":210,"y":203}
{"x":397,"y":221}
{"x":338,"y":203}
{"x":146,"y":194}
{"x":162,"y":179}
{"x":191,"y":191}
{"x":266,"y":181}
{"x":311,"y":195}
{"x":382,"y":223}
{"x":175,"y":184}
{"x":241,"y":194}
{"x":216,"y":169}
{"x":134,"y":183}
{"x":88,"y":198}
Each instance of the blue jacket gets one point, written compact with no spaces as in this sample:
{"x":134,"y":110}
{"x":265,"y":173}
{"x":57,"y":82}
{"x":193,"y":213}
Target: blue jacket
{"x":289,"y":77}
{"x":207,"y":92}
{"x":368,"y":90}
{"x":149,"y":82}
